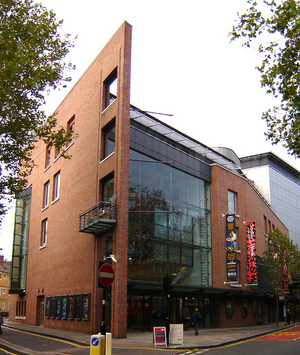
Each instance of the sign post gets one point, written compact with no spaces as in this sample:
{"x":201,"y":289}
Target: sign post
{"x":106,"y":278}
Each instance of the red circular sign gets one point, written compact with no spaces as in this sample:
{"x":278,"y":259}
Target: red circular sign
{"x":106,"y":274}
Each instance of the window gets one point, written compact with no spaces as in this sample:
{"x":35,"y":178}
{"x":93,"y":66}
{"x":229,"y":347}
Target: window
{"x":70,"y":130}
{"x":232,"y":202}
{"x":3,"y":305}
{"x":4,"y":276}
{"x":56,"y":185}
{"x":44,"y":232}
{"x":21,"y":309}
{"x":110,"y":88}
{"x":46,"y":194}
{"x":3,"y":292}
{"x":107,"y":190}
{"x":48,"y":156}
{"x":108,"y":136}
{"x":0,"y":275}
{"x":57,"y":152}
{"x":229,"y":308}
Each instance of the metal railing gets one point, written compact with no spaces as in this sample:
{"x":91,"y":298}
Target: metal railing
{"x":100,"y":212}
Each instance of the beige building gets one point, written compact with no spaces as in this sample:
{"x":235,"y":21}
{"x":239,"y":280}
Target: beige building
{"x":4,"y":285}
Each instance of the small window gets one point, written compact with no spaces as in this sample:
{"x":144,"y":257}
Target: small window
{"x":107,"y":188}
{"x":48,"y":156}
{"x":108,"y":136}
{"x":0,"y":275}
{"x":4,"y":276}
{"x":3,"y":305}
{"x":70,"y":130}
{"x":57,"y":152}
{"x":4,"y":290}
{"x":44,"y":232}
{"x":110,"y":88}
{"x":46,"y":194}
{"x":232,"y":202}
{"x":56,"y":186}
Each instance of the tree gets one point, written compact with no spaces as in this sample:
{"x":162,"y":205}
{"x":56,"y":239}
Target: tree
{"x":282,"y":263}
{"x":31,"y":63}
{"x":277,"y":23}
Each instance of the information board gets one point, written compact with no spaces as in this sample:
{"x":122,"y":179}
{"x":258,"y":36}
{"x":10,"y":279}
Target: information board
{"x":176,"y":334}
{"x":159,"y":336}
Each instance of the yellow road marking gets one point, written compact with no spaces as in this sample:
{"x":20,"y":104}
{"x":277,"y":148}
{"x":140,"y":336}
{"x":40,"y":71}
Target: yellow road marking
{"x":70,"y":342}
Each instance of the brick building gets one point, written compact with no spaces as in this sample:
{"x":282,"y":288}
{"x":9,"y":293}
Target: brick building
{"x":146,"y":193}
{"x":4,"y":285}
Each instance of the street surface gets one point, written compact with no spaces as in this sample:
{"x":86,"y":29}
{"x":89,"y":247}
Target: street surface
{"x":281,"y":342}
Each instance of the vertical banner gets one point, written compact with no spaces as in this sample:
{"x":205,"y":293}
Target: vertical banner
{"x":231,"y":242}
{"x":251,"y":252}
{"x":231,"y":246}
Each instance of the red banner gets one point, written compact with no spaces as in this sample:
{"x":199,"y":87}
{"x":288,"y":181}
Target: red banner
{"x":251,"y":252}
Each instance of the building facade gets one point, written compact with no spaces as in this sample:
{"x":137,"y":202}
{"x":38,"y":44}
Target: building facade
{"x":160,"y":202}
{"x":4,"y":285}
{"x":280,"y":185}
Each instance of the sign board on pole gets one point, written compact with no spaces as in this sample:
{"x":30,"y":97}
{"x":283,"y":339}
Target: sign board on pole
{"x":176,"y":334}
{"x":159,"y":336}
{"x":97,"y":343}
{"x":106,"y":274}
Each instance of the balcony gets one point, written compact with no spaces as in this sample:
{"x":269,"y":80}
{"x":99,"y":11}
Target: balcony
{"x":99,"y":218}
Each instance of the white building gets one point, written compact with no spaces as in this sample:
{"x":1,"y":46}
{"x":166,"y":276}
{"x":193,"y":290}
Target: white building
{"x":279,"y":183}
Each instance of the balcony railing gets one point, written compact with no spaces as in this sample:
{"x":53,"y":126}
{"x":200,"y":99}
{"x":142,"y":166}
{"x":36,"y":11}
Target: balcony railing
{"x":99,"y":218}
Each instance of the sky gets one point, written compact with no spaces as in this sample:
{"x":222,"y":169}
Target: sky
{"x":183,"y":65}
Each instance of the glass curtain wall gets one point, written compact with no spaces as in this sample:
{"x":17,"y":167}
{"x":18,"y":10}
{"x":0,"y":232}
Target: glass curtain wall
{"x":169,"y":224}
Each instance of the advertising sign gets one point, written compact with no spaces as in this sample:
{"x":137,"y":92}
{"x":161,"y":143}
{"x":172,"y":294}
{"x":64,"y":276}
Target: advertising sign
{"x":231,"y":265}
{"x":159,"y":335}
{"x":251,"y":252}
{"x":231,"y":247}
{"x":176,"y":334}
{"x":231,"y":241}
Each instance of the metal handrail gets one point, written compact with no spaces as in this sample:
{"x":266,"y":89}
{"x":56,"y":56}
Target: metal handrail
{"x":102,"y":210}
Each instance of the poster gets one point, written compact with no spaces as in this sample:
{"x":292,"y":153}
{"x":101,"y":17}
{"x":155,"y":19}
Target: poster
{"x":231,"y":266}
{"x":176,"y":334}
{"x":251,"y":252}
{"x":159,"y":334}
{"x":231,"y":247}
{"x":231,"y":238}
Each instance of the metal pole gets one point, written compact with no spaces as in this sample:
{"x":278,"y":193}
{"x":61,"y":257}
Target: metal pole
{"x":103,"y":324}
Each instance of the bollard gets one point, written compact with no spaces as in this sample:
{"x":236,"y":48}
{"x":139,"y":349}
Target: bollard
{"x":97,"y":344}
{"x":108,"y":344}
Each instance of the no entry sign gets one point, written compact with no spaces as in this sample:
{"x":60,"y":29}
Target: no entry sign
{"x":106,"y":274}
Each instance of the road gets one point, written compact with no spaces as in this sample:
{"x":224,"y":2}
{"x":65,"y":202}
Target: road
{"x":282,"y":342}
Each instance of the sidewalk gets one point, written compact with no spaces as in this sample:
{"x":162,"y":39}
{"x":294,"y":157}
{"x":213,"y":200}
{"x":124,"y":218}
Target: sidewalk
{"x":207,"y":338}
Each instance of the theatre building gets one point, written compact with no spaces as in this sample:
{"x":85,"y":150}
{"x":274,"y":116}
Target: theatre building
{"x":184,"y":224}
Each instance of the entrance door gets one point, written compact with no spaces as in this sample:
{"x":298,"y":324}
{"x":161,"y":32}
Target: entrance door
{"x":40,"y":310}
{"x":42,"y":313}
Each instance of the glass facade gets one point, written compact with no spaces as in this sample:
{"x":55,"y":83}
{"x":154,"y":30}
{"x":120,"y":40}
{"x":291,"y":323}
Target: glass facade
{"x":20,"y":243}
{"x":169,"y":224}
{"x":282,"y":192}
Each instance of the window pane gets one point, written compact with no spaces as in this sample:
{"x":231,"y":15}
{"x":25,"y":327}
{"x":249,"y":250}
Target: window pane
{"x":56,"y":186}
{"x":44,"y":232}
{"x":46,"y":194}
{"x":231,"y":202}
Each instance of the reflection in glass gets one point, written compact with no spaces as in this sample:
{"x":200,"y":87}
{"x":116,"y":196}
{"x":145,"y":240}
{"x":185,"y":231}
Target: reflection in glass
{"x":169,"y":224}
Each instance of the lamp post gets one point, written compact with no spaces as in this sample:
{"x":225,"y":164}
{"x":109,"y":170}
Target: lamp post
{"x":167,"y":293}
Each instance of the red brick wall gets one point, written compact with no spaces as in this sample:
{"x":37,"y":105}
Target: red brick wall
{"x":69,"y":262}
{"x":250,"y":207}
